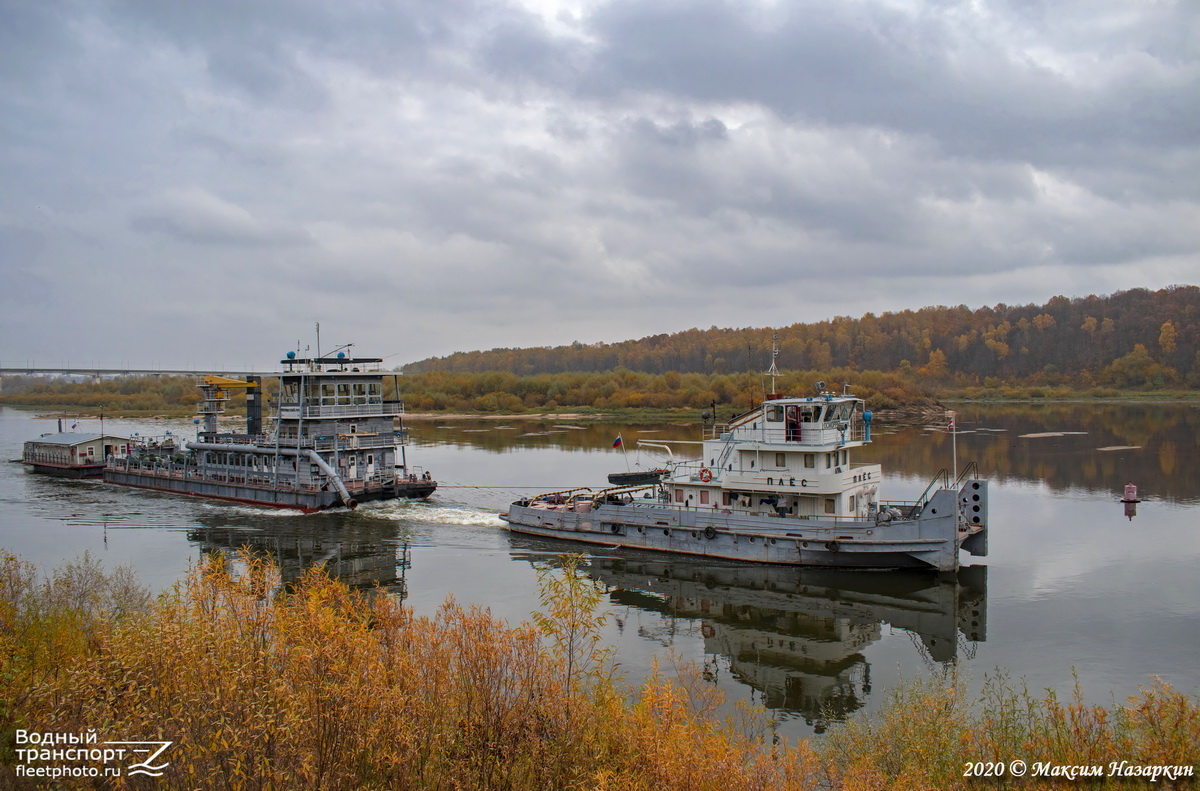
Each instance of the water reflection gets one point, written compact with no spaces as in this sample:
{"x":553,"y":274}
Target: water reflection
{"x":1095,"y":447}
{"x":501,"y":436}
{"x":797,"y":636}
{"x":362,"y":553}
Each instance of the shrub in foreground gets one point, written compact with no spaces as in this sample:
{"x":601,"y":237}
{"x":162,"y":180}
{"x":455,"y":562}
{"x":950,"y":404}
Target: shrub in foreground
{"x":259,"y":687}
{"x":323,"y":687}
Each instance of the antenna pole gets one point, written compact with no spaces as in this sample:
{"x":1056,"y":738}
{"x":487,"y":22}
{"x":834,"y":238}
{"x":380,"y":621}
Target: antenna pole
{"x":318,"y":340}
{"x":773,"y":371}
{"x":953,"y":443}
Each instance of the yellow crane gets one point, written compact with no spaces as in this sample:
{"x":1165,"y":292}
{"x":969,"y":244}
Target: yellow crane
{"x":215,"y":391}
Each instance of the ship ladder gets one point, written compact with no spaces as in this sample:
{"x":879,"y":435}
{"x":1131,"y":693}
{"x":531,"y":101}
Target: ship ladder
{"x":724,"y":457}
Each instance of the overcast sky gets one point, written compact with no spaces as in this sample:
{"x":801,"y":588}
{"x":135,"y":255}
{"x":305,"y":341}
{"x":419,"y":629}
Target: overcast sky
{"x":196,"y":184}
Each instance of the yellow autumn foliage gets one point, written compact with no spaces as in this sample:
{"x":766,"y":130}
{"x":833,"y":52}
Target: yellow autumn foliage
{"x":321,"y":687}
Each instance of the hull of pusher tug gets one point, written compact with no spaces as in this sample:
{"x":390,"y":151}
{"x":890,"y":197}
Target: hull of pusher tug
{"x":334,"y":443}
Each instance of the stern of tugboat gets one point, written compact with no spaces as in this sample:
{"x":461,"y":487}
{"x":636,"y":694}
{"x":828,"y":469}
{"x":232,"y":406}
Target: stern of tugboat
{"x":414,"y":487}
{"x":973,"y":508}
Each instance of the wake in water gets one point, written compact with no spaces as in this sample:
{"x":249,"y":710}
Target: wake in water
{"x":438,"y":513}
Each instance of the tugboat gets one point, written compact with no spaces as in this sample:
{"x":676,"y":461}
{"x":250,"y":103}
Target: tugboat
{"x":334,"y":442}
{"x":777,"y":485}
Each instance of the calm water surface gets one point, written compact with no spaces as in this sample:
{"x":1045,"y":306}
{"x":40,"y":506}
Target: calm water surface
{"x":1071,"y":586}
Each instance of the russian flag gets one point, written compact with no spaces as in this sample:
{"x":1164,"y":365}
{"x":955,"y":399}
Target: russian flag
{"x":617,"y":441}
{"x":75,"y":425}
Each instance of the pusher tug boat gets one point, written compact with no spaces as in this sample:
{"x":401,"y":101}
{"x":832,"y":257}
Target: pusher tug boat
{"x":777,"y":485}
{"x":333,"y":442}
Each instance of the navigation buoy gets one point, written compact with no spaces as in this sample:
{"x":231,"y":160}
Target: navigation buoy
{"x":1130,"y":500}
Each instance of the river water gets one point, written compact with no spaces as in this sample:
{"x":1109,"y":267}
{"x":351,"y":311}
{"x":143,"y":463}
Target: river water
{"x":1073,"y":587}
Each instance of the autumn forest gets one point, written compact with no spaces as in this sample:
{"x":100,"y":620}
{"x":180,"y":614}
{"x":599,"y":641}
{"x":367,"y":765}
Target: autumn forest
{"x":1136,"y":340}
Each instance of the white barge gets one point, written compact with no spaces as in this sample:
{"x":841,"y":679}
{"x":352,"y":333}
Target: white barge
{"x":68,"y":454}
{"x":777,"y":485}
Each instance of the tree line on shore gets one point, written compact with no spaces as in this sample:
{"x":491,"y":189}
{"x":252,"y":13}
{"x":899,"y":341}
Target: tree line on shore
{"x":1133,"y":340}
{"x":502,"y":392}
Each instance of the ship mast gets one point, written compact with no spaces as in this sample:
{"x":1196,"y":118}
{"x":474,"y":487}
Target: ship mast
{"x":773,"y":371}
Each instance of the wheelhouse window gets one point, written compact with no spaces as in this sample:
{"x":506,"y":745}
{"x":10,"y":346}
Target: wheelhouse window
{"x":775,"y":413}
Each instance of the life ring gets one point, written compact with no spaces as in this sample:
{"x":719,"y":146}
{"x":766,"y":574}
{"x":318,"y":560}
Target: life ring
{"x":705,"y":474}
{"x":706,"y":630}
{"x":710,"y":532}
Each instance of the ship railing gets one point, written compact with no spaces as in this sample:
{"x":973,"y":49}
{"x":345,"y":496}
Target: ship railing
{"x":192,"y":473}
{"x":970,"y":472}
{"x":351,"y":442}
{"x":297,"y":411}
{"x":237,"y":439}
{"x":811,"y":434}
{"x":562,"y":496}
{"x":413,"y":473}
{"x":367,"y":441}
{"x":941,"y":480}
{"x":791,"y":525}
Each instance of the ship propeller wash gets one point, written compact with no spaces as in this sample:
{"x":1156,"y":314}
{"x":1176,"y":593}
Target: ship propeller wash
{"x":333,"y":441}
{"x":777,"y":485}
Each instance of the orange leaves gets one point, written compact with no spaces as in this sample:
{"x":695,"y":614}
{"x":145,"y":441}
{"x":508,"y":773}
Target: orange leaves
{"x":323,"y":687}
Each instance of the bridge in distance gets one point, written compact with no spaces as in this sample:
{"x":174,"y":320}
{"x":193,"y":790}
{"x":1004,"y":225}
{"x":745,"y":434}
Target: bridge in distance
{"x":101,"y":372}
